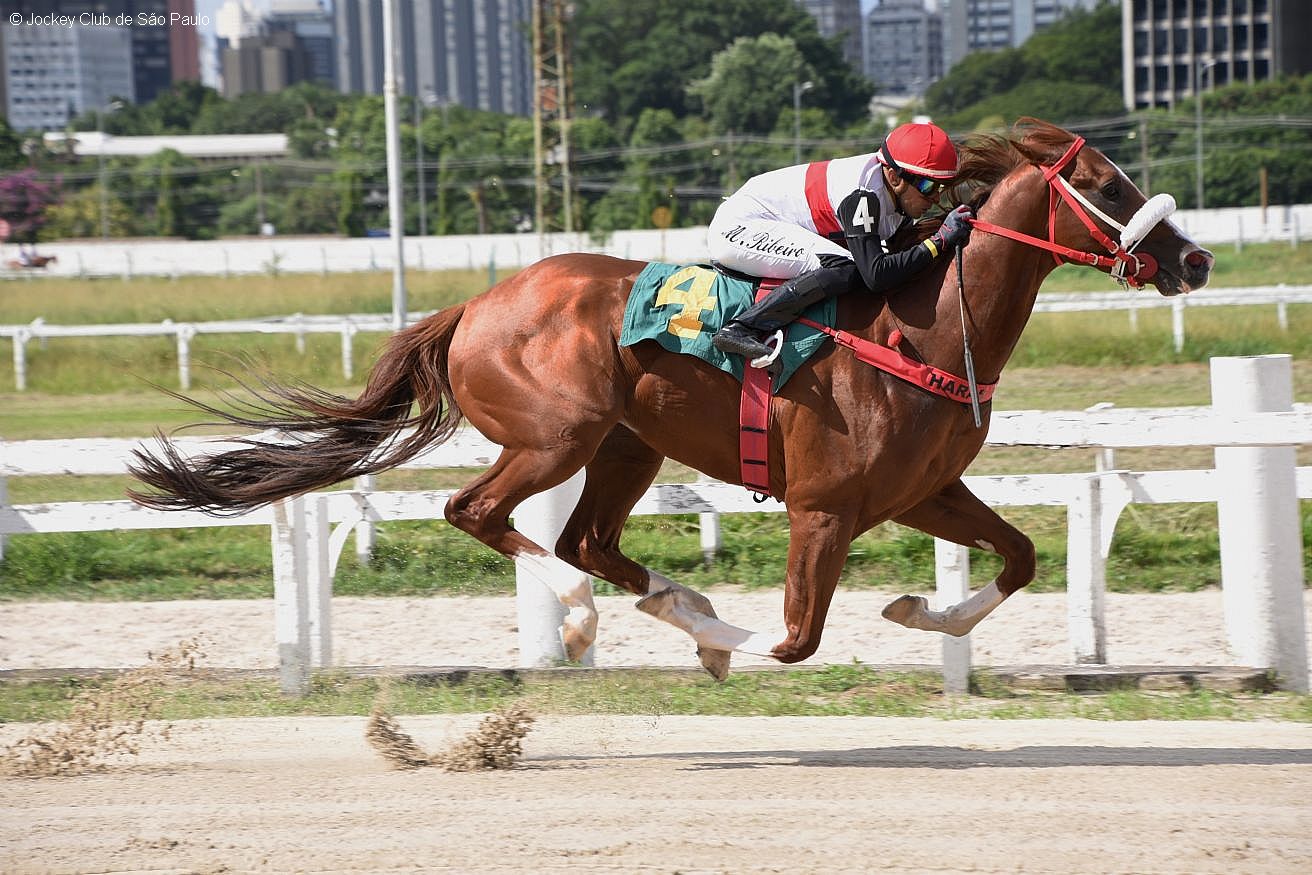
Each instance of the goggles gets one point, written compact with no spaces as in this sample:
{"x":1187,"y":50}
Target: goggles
{"x":930,"y":188}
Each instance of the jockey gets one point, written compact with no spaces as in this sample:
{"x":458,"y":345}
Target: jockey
{"x":824,"y":228}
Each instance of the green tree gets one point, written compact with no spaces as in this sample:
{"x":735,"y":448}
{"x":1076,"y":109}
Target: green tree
{"x":11,"y":146}
{"x":1070,"y":71}
{"x":1244,"y":132}
{"x":350,"y":203}
{"x":79,"y":216}
{"x":649,"y":179}
{"x":176,"y":195}
{"x":631,"y":55}
{"x":750,"y":82}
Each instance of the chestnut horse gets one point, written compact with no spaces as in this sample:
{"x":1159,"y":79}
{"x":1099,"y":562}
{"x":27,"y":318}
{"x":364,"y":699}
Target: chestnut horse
{"x":534,"y":364}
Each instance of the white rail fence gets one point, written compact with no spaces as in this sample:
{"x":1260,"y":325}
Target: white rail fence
{"x":270,"y":255}
{"x":1256,"y":484}
{"x":299,"y":325}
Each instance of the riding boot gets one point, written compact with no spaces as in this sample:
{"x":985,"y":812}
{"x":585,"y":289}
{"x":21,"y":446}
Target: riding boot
{"x":743,"y":335}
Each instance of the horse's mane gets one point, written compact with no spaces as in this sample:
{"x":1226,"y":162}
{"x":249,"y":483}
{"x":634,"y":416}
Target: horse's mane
{"x":987,"y":159}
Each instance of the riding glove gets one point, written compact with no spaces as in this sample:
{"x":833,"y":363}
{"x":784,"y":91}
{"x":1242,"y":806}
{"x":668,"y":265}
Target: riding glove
{"x":955,"y":230}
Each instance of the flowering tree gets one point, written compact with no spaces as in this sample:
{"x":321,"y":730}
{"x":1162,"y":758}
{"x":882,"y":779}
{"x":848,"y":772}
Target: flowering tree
{"x":24,"y":200}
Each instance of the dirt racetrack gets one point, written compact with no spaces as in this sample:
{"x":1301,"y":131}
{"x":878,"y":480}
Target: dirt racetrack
{"x":687,"y":794}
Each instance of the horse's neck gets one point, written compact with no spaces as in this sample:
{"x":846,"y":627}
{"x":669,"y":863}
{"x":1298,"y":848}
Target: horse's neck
{"x":1000,"y":279}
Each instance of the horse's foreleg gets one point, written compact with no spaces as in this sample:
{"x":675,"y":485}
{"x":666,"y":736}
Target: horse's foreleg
{"x":692,"y":612}
{"x":956,"y":515}
{"x":817,"y":551}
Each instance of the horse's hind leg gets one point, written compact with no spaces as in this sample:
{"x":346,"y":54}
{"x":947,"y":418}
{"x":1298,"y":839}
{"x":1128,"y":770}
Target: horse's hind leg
{"x":618,"y":475}
{"x":482,"y":509}
{"x":956,"y":515}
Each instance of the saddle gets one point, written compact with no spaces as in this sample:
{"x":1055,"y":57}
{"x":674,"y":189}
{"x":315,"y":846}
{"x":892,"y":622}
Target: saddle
{"x":680,"y":307}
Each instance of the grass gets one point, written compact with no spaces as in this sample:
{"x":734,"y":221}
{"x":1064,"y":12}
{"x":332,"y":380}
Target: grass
{"x":851,"y":690}
{"x":1253,"y":264}
{"x":97,"y":387}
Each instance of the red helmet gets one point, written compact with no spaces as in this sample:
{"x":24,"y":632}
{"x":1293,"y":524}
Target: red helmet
{"x":920,"y":149}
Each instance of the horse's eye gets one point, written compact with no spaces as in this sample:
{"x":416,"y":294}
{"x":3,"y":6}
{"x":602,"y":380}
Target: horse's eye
{"x":1111,"y":191}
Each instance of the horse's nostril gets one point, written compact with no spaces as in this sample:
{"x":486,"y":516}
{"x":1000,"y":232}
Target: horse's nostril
{"x":1199,"y":258}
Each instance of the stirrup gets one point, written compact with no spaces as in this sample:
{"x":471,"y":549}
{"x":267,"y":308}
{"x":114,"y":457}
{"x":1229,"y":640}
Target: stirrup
{"x":776,"y":343}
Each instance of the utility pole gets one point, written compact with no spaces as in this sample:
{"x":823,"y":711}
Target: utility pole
{"x":1199,"y":69}
{"x":552,"y":102}
{"x":396,"y":216}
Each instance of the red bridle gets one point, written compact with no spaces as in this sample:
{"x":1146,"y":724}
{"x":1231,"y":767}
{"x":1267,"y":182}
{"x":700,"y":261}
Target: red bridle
{"x":1132,"y":268}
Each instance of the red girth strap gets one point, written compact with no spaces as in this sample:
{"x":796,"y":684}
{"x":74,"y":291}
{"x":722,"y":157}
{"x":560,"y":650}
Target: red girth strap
{"x":817,"y":198}
{"x":754,"y":418}
{"x":890,"y":360}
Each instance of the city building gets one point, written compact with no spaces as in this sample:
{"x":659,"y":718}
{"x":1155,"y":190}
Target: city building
{"x":839,"y":18}
{"x":1171,"y":47}
{"x":987,"y":25}
{"x":473,"y":53}
{"x":54,"y":73}
{"x":313,"y":26}
{"x":159,"y":54}
{"x":904,"y":47}
{"x":265,"y":53}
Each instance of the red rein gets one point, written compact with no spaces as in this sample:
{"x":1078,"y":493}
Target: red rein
{"x":1139,"y":267}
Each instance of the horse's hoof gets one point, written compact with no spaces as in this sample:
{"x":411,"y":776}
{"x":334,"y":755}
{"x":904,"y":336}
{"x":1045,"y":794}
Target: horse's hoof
{"x":715,"y":661}
{"x":901,"y":610}
{"x":658,"y":604}
{"x":575,"y":643}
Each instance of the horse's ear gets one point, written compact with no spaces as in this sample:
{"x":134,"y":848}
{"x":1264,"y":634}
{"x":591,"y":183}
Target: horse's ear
{"x":1038,"y":141}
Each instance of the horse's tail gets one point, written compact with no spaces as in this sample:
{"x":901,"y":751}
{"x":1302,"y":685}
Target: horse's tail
{"x":328,"y":438}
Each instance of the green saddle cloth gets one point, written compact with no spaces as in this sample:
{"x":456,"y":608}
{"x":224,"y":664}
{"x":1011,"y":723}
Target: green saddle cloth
{"x":681,"y":307}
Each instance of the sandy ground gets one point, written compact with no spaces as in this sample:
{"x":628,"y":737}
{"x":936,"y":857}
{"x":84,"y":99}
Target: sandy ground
{"x":1177,"y":629}
{"x":663,"y":793}
{"x":687,"y":794}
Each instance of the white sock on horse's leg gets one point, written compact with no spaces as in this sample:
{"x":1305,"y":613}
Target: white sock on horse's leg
{"x":574,"y":590}
{"x":684,"y":610}
{"x":957,"y":620}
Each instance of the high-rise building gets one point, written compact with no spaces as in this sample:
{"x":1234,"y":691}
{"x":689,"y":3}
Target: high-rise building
{"x":312,"y":25}
{"x":53,"y":73}
{"x":266,"y":52}
{"x":1171,"y":47}
{"x":474,"y":53}
{"x":986,"y":25}
{"x":163,"y":51}
{"x":839,"y":18}
{"x":904,"y":47}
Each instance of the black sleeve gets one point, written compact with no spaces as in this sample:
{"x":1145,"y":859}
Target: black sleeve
{"x":880,"y":269}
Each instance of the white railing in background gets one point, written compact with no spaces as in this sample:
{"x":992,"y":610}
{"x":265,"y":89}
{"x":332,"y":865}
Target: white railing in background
{"x":1255,"y":484}
{"x":299,"y":324}
{"x":273,"y":255}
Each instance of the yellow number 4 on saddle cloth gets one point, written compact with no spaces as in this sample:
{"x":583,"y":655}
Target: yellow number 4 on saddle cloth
{"x":681,"y":307}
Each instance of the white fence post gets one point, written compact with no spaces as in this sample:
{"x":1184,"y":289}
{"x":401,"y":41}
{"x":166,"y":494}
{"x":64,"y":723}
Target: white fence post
{"x":952,"y":586}
{"x":185,"y":333}
{"x":1177,"y":322}
{"x":291,"y":604}
{"x":708,"y":525}
{"x":365,"y":533}
{"x":348,"y":365}
{"x":319,"y":581}
{"x":21,"y":337}
{"x":541,"y":518}
{"x":1260,"y":531}
{"x":1086,"y":576}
